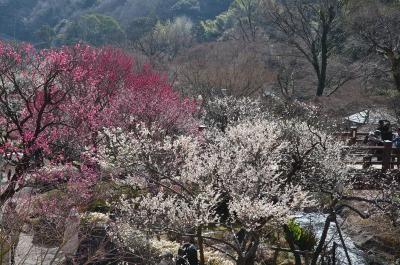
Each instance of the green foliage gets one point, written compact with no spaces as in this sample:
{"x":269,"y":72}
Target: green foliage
{"x":243,"y":14}
{"x":94,"y":28}
{"x":11,"y":14}
{"x":295,"y":229}
{"x":46,"y":34}
{"x":304,"y":238}
{"x":139,"y":27}
{"x":38,"y":20}
{"x":99,"y":206}
{"x":89,"y":3}
{"x":213,"y":29}
{"x":190,"y":8}
{"x":211,"y":8}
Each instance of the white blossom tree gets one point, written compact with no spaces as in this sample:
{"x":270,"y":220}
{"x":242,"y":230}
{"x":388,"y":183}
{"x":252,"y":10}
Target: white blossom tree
{"x":236,"y":184}
{"x":239,"y":181}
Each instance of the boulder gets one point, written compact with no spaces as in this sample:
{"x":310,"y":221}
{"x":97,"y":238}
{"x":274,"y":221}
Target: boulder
{"x":376,"y":236}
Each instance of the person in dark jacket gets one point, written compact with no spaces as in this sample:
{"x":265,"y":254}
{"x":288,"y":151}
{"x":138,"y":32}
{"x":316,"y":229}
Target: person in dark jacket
{"x":187,"y":255}
{"x":386,"y":132}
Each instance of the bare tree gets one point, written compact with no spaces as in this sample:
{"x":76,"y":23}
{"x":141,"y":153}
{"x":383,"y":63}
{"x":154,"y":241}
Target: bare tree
{"x":233,"y":68}
{"x":248,"y":14}
{"x":312,"y":28}
{"x":376,"y":25}
{"x":166,"y":40}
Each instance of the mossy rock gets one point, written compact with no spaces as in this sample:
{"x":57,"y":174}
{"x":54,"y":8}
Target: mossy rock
{"x":112,"y":192}
{"x":303,"y":237}
{"x":99,"y":206}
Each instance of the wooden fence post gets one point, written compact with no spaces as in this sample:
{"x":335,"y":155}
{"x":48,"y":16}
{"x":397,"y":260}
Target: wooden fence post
{"x":387,"y":155}
{"x":334,"y":253}
{"x":353,"y":135}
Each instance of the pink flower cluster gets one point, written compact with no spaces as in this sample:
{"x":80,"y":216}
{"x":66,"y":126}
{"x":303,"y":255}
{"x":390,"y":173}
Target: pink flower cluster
{"x":55,"y":99}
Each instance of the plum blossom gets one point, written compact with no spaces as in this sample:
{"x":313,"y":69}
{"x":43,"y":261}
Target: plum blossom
{"x":54,"y":103}
{"x":257,"y":169}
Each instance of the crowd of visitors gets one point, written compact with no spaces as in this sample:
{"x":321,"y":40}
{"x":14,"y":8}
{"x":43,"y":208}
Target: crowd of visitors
{"x":383,"y":133}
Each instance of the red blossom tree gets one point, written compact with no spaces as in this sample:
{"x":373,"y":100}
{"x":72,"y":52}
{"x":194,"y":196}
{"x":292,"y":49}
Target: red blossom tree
{"x":58,"y":100}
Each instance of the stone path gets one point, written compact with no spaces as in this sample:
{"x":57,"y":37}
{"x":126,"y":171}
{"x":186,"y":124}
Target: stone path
{"x":29,"y":254}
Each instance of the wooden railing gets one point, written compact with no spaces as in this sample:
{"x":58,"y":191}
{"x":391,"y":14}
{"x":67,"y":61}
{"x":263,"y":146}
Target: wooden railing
{"x":387,"y":156}
{"x":353,"y":136}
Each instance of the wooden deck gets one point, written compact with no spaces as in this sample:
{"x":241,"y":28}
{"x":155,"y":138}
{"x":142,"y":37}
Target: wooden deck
{"x":364,"y":156}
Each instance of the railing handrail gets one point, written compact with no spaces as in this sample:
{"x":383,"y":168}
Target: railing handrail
{"x":368,"y":147}
{"x":386,"y":154}
{"x":349,"y":133}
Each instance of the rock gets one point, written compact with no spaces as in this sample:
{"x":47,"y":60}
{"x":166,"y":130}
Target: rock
{"x":373,"y":243}
{"x":71,"y":234}
{"x":29,"y":254}
{"x":376,"y":236}
{"x":377,"y":251}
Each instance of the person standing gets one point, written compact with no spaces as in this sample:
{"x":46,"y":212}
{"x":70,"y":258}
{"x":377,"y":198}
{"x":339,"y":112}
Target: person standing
{"x":187,"y":255}
{"x":396,"y":138}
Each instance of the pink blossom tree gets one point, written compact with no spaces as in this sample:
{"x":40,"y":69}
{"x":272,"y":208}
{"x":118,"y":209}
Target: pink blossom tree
{"x":54,"y":103}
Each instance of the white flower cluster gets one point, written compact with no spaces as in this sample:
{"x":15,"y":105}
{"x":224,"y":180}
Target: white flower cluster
{"x":229,"y":111}
{"x":164,"y":246}
{"x":254,"y":173}
{"x":216,"y":258}
{"x":96,"y":218}
{"x":186,"y":176}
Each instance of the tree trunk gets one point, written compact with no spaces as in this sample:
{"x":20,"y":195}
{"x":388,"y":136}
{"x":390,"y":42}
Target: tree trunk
{"x":324,"y":60}
{"x":246,"y":260}
{"x":248,"y":257}
{"x":342,"y":240}
{"x":321,"y":243}
{"x":11,"y":189}
{"x":396,"y":72}
{"x":201,"y":245}
{"x":321,"y":87}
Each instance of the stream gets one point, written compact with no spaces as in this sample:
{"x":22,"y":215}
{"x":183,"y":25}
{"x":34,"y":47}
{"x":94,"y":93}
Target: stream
{"x":317,"y":220}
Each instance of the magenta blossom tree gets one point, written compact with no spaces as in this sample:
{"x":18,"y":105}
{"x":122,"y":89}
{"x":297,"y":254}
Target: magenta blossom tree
{"x":54,"y":103}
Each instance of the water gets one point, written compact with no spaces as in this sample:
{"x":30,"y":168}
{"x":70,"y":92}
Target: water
{"x":317,"y":220}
